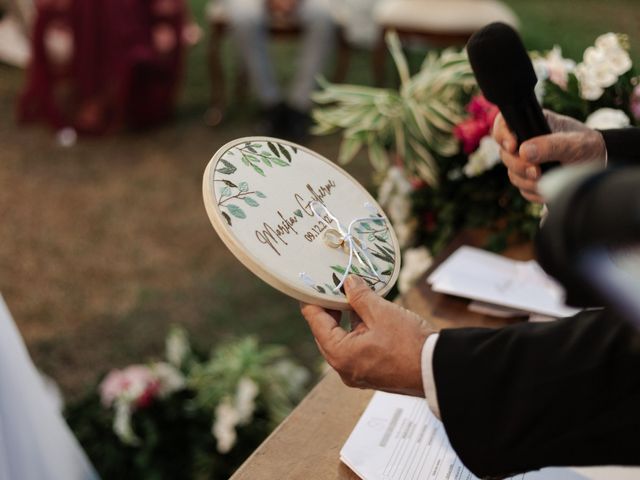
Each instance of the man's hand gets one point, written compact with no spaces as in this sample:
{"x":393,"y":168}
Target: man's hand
{"x":570,"y":142}
{"x":382,"y":351}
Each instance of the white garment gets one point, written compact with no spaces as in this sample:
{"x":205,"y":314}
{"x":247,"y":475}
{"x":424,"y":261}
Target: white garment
{"x":249,"y":21}
{"x":35,"y":441}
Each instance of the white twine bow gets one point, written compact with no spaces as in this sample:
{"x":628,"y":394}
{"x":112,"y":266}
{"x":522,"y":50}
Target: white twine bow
{"x":346,"y":238}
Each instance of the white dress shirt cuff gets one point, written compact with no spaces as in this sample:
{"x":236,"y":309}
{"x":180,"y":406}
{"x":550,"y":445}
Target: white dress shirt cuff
{"x":428,"y":381}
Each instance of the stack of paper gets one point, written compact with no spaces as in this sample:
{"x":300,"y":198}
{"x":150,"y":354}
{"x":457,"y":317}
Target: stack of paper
{"x":495,"y":280}
{"x":398,"y":438}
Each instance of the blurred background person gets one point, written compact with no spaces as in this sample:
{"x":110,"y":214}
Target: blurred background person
{"x":98,"y":65}
{"x":283,"y":116}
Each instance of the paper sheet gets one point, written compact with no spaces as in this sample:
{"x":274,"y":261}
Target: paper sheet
{"x":398,"y":438}
{"x":480,"y":275}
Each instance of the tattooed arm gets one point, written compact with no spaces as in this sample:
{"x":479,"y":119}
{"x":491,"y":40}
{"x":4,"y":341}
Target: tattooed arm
{"x":570,"y":142}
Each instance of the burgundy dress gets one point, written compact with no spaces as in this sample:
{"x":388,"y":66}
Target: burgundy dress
{"x":123,"y":67}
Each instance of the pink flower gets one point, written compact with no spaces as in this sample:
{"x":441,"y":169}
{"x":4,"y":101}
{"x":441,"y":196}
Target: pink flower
{"x":135,"y":384}
{"x":635,"y":103}
{"x":478,"y":126}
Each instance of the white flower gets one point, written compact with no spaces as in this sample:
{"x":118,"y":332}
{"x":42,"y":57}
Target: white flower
{"x":177,"y":346}
{"x":415,"y":262}
{"x":224,"y":426}
{"x":484,"y":158}
{"x":170,"y":379}
{"x":601,"y":65}
{"x":246,"y":394}
{"x":122,"y":424}
{"x":607,"y":118}
{"x":394,"y":197}
{"x":559,"y":67}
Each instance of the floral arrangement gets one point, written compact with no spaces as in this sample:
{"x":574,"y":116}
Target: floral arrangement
{"x":189,"y":416}
{"x":437,"y":168}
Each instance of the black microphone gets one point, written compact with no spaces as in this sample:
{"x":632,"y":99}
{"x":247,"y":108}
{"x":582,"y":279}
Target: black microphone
{"x":506,"y":77}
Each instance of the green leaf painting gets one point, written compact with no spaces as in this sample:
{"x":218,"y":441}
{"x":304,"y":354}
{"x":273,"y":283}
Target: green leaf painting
{"x":250,"y":201}
{"x":256,"y":156}
{"x":236,"y":211}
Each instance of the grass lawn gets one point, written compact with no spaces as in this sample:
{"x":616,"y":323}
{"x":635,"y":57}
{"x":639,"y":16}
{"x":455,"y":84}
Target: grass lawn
{"x":106,"y":244}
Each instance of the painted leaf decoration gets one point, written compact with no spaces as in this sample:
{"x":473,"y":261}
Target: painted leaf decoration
{"x":285,"y":152}
{"x":273,"y":148}
{"x":336,"y":280}
{"x":297,"y":212}
{"x":387,"y":272}
{"x":295,"y":150}
{"x":243,"y":186}
{"x":230,"y":184}
{"x":236,"y":211}
{"x":266,"y":160}
{"x":338,"y":269}
{"x":250,"y":201}
{"x":228,"y":168}
{"x":260,"y":195}
{"x":320,"y":289}
{"x":226,"y":217}
{"x":225,"y":192}
{"x":258,"y":169}
{"x":279,"y":162}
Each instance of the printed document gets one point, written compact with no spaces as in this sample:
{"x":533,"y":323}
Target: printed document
{"x":398,"y":438}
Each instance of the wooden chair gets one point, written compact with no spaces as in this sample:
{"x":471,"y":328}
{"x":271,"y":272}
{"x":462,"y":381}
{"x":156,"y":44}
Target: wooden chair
{"x":437,"y":23}
{"x":280,"y":29}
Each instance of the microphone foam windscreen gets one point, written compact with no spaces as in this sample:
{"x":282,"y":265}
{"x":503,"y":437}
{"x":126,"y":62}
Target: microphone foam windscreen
{"x":501,"y":64}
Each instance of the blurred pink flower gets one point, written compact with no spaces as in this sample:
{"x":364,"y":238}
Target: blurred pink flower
{"x":635,"y":103}
{"x":478,"y":126}
{"x":135,"y":384}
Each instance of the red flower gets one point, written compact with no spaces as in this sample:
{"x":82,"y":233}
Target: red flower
{"x":478,"y":126}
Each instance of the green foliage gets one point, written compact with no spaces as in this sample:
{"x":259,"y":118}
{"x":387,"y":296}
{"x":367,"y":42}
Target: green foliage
{"x":175,"y":432}
{"x":415,"y":122}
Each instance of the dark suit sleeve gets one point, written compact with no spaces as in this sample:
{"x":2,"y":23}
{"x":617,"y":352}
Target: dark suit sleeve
{"x":535,"y":395}
{"x":623,"y":145}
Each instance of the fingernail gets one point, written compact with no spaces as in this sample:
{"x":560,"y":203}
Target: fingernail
{"x":530,"y":151}
{"x":353,"y":281}
{"x":532,"y":173}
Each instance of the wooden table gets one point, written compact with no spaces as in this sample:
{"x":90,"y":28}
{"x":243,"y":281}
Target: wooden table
{"x":307,"y":444}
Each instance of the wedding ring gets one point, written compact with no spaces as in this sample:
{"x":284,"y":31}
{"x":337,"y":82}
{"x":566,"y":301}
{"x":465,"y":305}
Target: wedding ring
{"x":356,"y":242}
{"x":333,"y":238}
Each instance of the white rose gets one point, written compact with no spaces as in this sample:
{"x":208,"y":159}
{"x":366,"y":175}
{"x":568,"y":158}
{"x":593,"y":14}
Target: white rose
{"x":246,"y":394}
{"x":484,"y":158}
{"x":620,"y":62}
{"x":608,"y":41}
{"x":589,"y":87}
{"x":415,"y":262}
{"x":607,"y":118}
{"x":224,"y":427}
{"x":170,"y":379}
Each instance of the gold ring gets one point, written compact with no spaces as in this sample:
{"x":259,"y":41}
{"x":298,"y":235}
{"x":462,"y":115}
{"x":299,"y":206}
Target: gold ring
{"x":333,"y":238}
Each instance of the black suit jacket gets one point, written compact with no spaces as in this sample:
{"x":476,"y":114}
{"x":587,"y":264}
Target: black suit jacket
{"x":537,"y":395}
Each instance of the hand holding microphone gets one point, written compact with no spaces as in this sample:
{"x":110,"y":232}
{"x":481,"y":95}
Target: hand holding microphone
{"x":506,"y":76}
{"x":571,"y":142}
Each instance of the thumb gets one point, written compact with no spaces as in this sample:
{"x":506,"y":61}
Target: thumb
{"x":362,"y":298}
{"x":563,"y":147}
